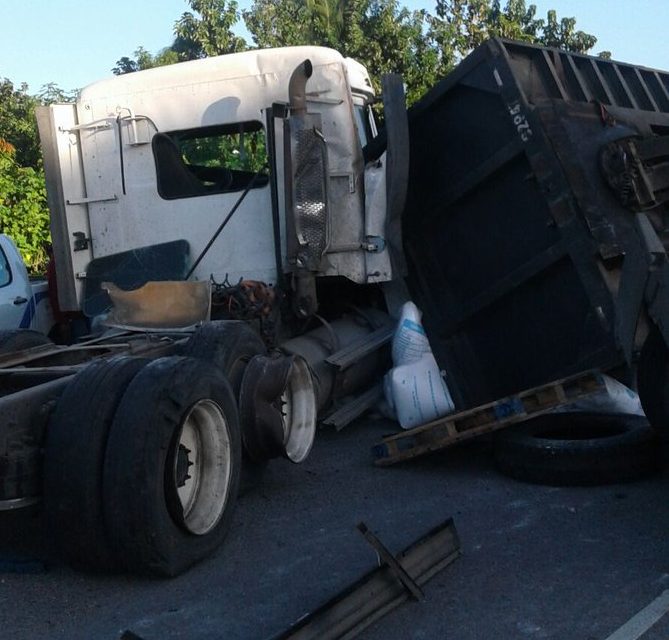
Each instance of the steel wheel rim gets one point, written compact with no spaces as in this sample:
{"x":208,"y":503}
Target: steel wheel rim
{"x":286,"y":412}
{"x":298,"y":409}
{"x":202,"y":468}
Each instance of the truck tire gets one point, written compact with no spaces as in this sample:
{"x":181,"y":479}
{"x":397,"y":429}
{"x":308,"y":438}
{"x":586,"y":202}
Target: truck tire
{"x":653,"y":380}
{"x":172,"y":466}
{"x":74,"y":455}
{"x":230,"y":345}
{"x":578,"y":449}
{"x":20,"y":339}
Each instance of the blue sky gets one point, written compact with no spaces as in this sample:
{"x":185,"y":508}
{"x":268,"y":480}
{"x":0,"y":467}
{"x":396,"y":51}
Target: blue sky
{"x":73,"y":43}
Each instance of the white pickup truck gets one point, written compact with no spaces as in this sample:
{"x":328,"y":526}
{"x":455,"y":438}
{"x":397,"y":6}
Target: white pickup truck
{"x":24,"y":301}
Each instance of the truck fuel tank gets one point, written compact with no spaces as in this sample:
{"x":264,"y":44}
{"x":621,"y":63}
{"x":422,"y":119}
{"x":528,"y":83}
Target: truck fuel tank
{"x":318,"y":345}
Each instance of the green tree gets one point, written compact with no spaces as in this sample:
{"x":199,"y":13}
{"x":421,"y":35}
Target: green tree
{"x":336,"y":23}
{"x":17,"y":123}
{"x":462,"y":25}
{"x":145,"y":60}
{"x":51,"y":93}
{"x":563,"y":34}
{"x":281,"y":23}
{"x":125,"y":64}
{"x":396,"y":40}
{"x":208,"y":31}
{"x":24,"y":214}
{"x":382,"y":34}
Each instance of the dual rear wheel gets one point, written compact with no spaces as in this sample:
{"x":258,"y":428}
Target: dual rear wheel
{"x":142,"y":464}
{"x":143,"y":458}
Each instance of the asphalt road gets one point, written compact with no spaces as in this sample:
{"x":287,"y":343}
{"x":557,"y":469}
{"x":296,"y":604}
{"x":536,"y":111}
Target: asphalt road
{"x":538,"y":562}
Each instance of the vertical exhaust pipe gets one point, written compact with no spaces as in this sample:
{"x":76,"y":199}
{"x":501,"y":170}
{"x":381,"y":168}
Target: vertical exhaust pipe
{"x":297,"y":87}
{"x":306,"y":174}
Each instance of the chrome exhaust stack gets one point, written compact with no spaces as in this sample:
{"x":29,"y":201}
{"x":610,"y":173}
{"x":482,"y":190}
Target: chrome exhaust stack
{"x":297,"y":88}
{"x":306,"y":189}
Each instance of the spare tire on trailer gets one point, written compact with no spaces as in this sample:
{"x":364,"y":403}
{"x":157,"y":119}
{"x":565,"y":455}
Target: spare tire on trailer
{"x":20,"y":339}
{"x":172,"y":466}
{"x":74,"y":455}
{"x":578,"y":449}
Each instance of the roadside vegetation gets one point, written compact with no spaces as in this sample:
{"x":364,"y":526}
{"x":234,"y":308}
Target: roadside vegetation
{"x":384,"y":35}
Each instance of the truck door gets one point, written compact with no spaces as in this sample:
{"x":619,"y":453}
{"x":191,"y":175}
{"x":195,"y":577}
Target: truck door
{"x":60,"y":136}
{"x":17,"y":307}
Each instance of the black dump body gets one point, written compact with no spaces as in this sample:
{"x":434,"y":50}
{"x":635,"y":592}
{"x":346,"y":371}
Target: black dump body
{"x":516,"y":242}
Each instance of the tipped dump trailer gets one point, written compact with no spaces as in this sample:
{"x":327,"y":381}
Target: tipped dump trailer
{"x":535,"y":225}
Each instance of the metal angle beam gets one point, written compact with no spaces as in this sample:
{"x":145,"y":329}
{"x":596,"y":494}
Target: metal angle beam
{"x":387,"y":557}
{"x":353,"y":409}
{"x":357,"y":350}
{"x":378,"y":592}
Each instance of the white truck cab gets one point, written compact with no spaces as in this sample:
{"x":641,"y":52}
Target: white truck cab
{"x":161,"y":156}
{"x":254,"y":171}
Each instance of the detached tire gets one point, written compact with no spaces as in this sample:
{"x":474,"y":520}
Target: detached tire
{"x":20,"y":339}
{"x":172,"y":466}
{"x":74,"y":457}
{"x":578,"y":449}
{"x":653,"y":380}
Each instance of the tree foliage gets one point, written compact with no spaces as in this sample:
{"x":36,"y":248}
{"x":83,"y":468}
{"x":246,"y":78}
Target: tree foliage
{"x":463,"y":25}
{"x":51,"y":93}
{"x":563,"y":34}
{"x":17,"y":123}
{"x":23,"y":210}
{"x":384,"y":35}
{"x":207,"y":30}
{"x":145,"y":60}
{"x":209,"y":33}
{"x":24,"y":214}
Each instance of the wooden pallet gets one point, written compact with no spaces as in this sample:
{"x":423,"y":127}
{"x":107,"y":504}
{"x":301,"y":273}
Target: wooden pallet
{"x":457,"y":427}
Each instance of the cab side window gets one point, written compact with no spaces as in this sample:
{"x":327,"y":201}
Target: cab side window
{"x":208,"y":160}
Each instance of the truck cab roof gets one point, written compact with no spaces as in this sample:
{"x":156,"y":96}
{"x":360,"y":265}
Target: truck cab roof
{"x":263,"y":64}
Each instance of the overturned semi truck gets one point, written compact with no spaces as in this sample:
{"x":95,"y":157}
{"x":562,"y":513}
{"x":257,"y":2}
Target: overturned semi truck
{"x":240,"y":237}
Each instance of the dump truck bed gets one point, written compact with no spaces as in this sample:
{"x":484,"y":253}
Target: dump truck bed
{"x":516,"y":240}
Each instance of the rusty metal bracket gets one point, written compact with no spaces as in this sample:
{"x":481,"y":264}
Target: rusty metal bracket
{"x":377,"y":593}
{"x":389,"y":559}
